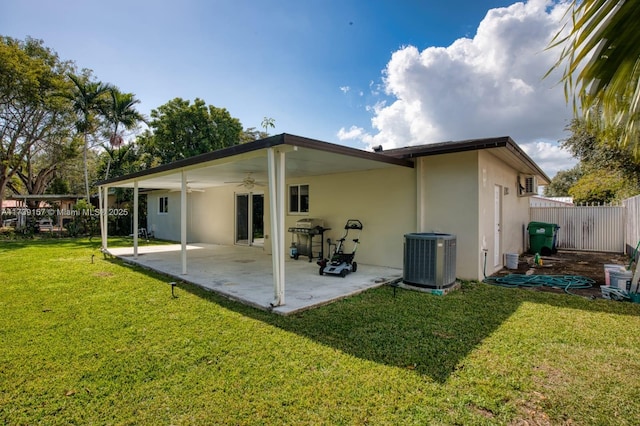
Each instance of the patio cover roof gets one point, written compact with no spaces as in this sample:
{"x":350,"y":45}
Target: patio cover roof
{"x":271,"y":160}
{"x":305,"y":157}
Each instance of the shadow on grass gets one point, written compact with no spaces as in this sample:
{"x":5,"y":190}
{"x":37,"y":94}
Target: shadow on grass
{"x":428,"y":334}
{"x":73,"y":243}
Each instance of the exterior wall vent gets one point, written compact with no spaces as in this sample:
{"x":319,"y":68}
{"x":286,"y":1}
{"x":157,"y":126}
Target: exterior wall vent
{"x":430,"y":260}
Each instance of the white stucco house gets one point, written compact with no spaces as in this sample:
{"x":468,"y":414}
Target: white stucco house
{"x":252,"y":193}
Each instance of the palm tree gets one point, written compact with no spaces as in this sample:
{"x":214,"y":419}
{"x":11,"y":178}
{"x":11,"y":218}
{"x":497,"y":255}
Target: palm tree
{"x":120,"y":114}
{"x":87,"y":98}
{"x":266,"y":123}
{"x":601,"y":56}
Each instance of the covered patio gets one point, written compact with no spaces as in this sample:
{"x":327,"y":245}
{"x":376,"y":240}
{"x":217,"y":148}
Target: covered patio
{"x":248,"y":273}
{"x":244,"y":274}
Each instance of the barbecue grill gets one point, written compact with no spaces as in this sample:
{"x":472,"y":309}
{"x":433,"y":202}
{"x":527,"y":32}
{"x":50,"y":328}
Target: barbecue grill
{"x":302,"y":238}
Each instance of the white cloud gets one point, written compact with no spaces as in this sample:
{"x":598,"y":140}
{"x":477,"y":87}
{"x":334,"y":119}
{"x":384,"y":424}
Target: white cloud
{"x":345,"y":89}
{"x":488,"y":85}
{"x":353,"y":132}
{"x":549,"y":156}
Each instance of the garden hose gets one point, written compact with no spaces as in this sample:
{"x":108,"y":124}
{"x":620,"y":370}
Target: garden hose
{"x":565,"y":282}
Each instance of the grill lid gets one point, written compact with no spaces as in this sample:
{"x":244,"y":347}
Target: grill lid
{"x":309,"y":223}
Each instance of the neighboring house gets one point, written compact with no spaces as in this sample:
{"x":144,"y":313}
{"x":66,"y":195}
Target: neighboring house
{"x":57,"y":209}
{"x":475,"y":189}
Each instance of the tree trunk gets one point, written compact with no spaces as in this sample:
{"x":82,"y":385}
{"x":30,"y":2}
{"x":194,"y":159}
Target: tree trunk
{"x":86,"y":168}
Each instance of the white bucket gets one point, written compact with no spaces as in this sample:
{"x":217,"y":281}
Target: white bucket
{"x":608,"y":267}
{"x":512,"y":260}
{"x":619,"y":279}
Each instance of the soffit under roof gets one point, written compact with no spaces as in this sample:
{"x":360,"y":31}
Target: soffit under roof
{"x":308,"y":157}
{"x":303,"y":157}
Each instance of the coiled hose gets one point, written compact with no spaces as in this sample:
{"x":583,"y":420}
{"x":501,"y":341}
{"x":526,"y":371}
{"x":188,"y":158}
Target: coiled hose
{"x":565,"y":282}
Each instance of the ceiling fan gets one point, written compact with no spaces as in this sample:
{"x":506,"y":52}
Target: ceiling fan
{"x":189,"y":189}
{"x":248,"y":182}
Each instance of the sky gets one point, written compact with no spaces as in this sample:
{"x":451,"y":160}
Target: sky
{"x":353,"y":72}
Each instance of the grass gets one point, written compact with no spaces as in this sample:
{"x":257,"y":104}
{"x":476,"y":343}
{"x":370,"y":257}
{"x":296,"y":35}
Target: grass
{"x":105,"y":343}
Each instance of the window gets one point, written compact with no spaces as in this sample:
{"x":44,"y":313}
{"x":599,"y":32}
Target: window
{"x":298,"y":198}
{"x":163,"y":205}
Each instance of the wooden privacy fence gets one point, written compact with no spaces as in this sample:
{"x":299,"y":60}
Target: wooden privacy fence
{"x":592,"y":228}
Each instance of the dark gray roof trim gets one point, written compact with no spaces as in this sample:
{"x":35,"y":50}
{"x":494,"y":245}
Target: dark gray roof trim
{"x":465,"y":145}
{"x":281,"y":139}
{"x":45,"y":197}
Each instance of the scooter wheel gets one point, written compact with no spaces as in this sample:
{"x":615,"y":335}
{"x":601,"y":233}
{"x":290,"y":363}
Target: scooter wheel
{"x":343,"y":273}
{"x":354,"y":266}
{"x":321,"y":270}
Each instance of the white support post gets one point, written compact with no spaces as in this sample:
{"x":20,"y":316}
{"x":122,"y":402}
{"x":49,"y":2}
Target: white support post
{"x":105,"y":221}
{"x":280,"y":175}
{"x":276,"y":254}
{"x":183,"y":222}
{"x":102,"y":236}
{"x":135,"y":219}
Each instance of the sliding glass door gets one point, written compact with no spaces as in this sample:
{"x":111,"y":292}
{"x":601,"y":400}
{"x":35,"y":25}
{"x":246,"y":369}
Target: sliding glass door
{"x":250,"y":219}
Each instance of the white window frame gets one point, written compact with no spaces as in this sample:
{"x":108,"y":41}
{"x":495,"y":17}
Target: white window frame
{"x":298,"y":211}
{"x":163,"y":205}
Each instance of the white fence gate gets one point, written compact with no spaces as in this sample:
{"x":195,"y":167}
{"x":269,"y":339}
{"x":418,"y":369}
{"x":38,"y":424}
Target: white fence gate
{"x":632,"y":234}
{"x":589,"y":228}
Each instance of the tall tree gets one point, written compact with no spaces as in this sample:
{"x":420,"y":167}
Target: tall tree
{"x":31,"y":115}
{"x":250,"y":134}
{"x":120,"y":114}
{"x":120,"y":160}
{"x":599,"y":187}
{"x":42,"y":164}
{"x":562,"y":182}
{"x":606,"y":172}
{"x":88,"y":98}
{"x":180,"y":129}
{"x":268,"y":122}
{"x":586,"y":144}
{"x":601,"y":56}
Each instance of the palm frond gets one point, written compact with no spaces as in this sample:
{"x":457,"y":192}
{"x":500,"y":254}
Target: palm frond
{"x":601,"y":57}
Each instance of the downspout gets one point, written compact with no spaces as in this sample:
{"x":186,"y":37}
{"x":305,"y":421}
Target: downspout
{"x":419,"y":195}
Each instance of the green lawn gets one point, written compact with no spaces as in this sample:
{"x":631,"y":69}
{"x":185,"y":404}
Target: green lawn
{"x":105,"y":343}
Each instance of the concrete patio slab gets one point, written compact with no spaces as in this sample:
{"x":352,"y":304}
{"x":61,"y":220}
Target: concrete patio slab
{"x":245,"y":274}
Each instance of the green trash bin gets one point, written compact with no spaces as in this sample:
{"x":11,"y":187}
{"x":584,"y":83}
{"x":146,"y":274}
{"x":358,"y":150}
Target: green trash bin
{"x":542,"y":237}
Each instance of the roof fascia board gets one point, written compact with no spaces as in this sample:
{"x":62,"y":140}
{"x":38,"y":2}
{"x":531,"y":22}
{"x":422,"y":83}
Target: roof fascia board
{"x":208,"y":158}
{"x":448,"y":147}
{"x":344,"y":150}
{"x":514,"y":148}
{"x":249,"y":150}
{"x":45,"y":197}
{"x":471,"y":145}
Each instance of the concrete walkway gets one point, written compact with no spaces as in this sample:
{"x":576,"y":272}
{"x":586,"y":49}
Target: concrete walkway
{"x":245,"y":274}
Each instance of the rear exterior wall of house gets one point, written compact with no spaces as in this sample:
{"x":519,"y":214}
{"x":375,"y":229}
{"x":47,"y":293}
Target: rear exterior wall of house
{"x":382,"y":199}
